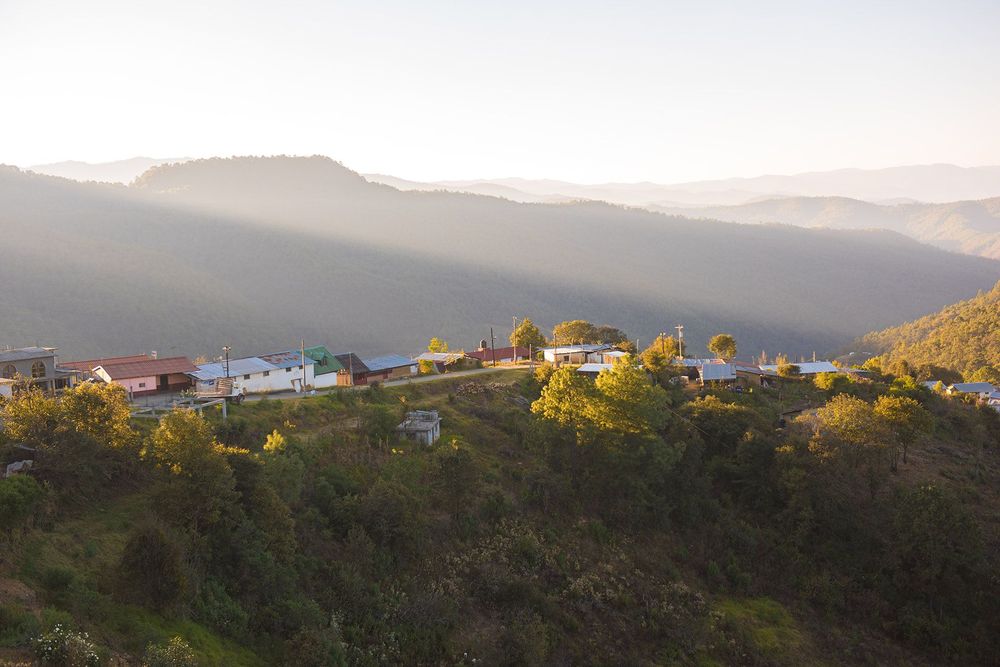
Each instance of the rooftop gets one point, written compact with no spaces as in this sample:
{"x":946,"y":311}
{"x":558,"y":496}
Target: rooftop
{"x":973,"y":388}
{"x":26,"y":353}
{"x":501,"y":353}
{"x":289,"y":359}
{"x":594,"y":368}
{"x":387,"y":362}
{"x":91,"y":364}
{"x":352,"y":363}
{"x":807,"y":367}
{"x":147,"y":367}
{"x":245,"y":366}
{"x":718,"y":372}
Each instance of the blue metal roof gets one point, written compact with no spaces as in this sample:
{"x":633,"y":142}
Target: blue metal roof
{"x":246,"y":366}
{"x":388,"y":361}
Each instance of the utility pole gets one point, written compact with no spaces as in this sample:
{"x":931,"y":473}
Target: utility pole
{"x":513,"y":337}
{"x":680,"y":339}
{"x":226,"y":349}
{"x":663,"y":343}
{"x":302,"y":342}
{"x":493,"y":347}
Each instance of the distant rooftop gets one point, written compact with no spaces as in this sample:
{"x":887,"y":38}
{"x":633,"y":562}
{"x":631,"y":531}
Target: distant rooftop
{"x":245,"y":366}
{"x":387,"y":362}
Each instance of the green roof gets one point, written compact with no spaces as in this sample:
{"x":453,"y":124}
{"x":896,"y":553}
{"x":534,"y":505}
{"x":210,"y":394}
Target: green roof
{"x":325,"y":361}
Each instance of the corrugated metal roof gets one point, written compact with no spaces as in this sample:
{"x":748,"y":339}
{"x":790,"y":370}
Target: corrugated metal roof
{"x":445,"y":357}
{"x":694,"y":363}
{"x":571,"y":349}
{"x":289,"y":359}
{"x":352,"y":363}
{"x":808,"y":367}
{"x":26,"y":353}
{"x":91,"y":364}
{"x":138,"y":369}
{"x":973,"y":388}
{"x":593,"y":368}
{"x":245,"y":366}
{"x":717,"y":372}
{"x":387,"y":362}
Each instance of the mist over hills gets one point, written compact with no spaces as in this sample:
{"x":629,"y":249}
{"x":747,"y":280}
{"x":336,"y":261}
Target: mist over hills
{"x":119,"y":171}
{"x":920,"y":183}
{"x":971,"y":227}
{"x":258,"y":252}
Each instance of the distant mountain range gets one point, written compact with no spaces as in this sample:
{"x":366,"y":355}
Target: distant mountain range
{"x":120,"y":171}
{"x":971,"y":227}
{"x":260,"y":252}
{"x":920,"y":183}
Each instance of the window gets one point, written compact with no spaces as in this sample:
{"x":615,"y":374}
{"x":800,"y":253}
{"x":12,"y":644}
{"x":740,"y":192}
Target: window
{"x":9,"y":372}
{"x":566,"y":357}
{"x":322,"y":361}
{"x":38,"y":369}
{"x":142,"y":385}
{"x":288,"y":370}
{"x":266,"y":373}
{"x":246,"y":377}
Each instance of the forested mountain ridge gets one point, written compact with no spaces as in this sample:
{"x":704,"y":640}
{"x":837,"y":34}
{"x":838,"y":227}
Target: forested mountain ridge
{"x":258,"y":253}
{"x":964,"y":336}
{"x":971,"y":227}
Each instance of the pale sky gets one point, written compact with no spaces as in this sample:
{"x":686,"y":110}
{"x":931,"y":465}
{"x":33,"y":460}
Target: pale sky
{"x":583,"y":91}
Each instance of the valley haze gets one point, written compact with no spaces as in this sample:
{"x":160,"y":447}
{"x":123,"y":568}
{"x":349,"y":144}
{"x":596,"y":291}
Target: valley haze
{"x":258,"y":252}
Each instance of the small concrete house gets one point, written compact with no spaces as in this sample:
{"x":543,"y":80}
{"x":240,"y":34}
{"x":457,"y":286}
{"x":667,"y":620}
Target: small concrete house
{"x":36,"y":365}
{"x":576,"y":354}
{"x":390,"y":367}
{"x":295,"y":370}
{"x":148,"y":376}
{"x":421,"y":426}
{"x":251,"y":375}
{"x":503,"y":355}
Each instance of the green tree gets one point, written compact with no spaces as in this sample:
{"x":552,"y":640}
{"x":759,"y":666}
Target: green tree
{"x":849,"y":430}
{"x":987,"y":373}
{"x":907,"y":420}
{"x":628,"y":403}
{"x":833,"y":383}
{"x":527,"y":335}
{"x":723,"y":345}
{"x":573,"y":331}
{"x":622,"y":403}
{"x":200,"y":485}
{"x":664,"y":348}
{"x":100,"y":411}
{"x":437,"y":345}
{"x":788,"y":370}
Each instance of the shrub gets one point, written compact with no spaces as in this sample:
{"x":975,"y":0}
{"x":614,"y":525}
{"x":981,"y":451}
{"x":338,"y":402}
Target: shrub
{"x":61,"y":647}
{"x":174,"y":653}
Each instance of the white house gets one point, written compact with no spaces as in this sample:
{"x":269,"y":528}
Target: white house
{"x":6,"y":387}
{"x":251,"y":375}
{"x":717,"y":373}
{"x":292,"y":364}
{"x":423,"y":426}
{"x":576,"y":354}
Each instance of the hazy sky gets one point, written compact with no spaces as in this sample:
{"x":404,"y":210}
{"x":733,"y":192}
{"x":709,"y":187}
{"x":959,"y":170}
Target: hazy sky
{"x":585,"y":91}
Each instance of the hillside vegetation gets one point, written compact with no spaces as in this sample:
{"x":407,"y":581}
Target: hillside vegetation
{"x":964,"y":337}
{"x":559,"y":520}
{"x":258,"y":253}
